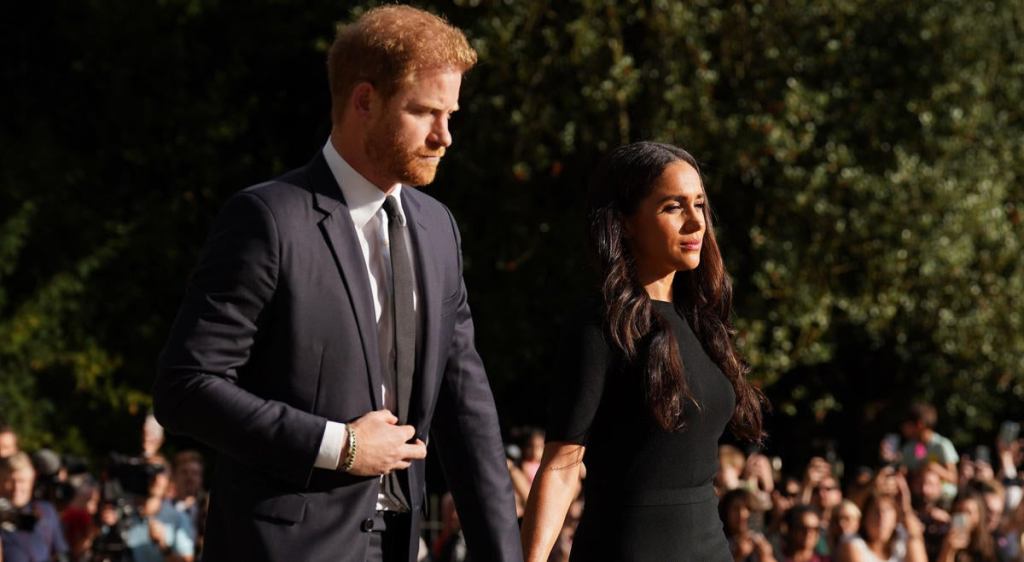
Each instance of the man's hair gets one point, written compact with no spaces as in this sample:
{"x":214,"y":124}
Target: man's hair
{"x":924,"y":413}
{"x":17,"y":461}
{"x":387,"y":46}
{"x":185,"y":457}
{"x":4,"y":428}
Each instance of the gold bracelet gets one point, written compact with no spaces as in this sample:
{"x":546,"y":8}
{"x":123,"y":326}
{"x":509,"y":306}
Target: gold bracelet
{"x":350,"y":457}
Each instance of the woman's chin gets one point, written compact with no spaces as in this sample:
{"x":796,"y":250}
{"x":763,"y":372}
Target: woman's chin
{"x":687,"y":264}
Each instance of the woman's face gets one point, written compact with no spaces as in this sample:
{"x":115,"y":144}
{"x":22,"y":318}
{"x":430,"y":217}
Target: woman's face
{"x":805,"y":535}
{"x":738,"y":516}
{"x":972,"y":510}
{"x":666,"y":231}
{"x":849,"y":519}
{"x":880,"y":521}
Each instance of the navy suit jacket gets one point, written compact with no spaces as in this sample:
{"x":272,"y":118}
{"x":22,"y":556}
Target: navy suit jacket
{"x":277,"y":334}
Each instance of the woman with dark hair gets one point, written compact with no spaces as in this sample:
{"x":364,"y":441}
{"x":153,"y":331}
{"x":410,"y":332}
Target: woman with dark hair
{"x":889,"y":532}
{"x":968,"y":539}
{"x":651,"y":378}
{"x":803,"y":532}
{"x":746,"y":544}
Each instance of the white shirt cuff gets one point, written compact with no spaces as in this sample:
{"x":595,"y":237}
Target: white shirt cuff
{"x":335,"y":437}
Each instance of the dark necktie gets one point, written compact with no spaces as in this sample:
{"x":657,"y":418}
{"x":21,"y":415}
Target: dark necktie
{"x":404,"y":323}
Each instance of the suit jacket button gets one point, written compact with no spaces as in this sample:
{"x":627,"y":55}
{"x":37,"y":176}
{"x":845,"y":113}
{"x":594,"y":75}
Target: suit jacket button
{"x":367,"y":525}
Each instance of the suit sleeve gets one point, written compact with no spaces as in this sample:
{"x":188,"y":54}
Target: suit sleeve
{"x":198,"y":390}
{"x":468,"y":438}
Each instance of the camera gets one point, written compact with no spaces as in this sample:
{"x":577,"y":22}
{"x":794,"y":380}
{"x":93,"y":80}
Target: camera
{"x":13,"y":519}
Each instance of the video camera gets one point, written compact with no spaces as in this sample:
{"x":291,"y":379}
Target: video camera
{"x":13,"y":519}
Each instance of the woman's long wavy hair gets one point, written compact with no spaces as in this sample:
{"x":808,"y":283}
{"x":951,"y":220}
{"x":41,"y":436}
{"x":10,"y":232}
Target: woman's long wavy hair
{"x":704,"y":295}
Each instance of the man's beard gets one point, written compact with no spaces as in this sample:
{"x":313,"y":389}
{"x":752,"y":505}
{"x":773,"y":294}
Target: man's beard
{"x":385,"y":150}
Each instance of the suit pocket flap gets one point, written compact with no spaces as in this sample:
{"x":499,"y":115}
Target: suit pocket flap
{"x":289,"y":508}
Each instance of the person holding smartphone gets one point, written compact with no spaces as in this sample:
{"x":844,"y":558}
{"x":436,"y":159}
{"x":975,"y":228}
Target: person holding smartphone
{"x":968,"y":539}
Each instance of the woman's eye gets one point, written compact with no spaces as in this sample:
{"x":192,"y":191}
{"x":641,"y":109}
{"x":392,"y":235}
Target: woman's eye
{"x":673,"y":208}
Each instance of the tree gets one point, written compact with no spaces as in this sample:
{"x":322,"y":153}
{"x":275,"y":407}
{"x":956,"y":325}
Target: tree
{"x":863,"y":160}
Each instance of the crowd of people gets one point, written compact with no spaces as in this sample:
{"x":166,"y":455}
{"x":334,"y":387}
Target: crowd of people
{"x":924,"y":502}
{"x":143,"y":508}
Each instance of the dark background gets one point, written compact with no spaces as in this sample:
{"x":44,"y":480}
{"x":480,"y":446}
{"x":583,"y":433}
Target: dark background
{"x":864,"y":161}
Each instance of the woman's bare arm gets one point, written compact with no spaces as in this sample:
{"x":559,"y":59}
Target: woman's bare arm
{"x":554,"y":488}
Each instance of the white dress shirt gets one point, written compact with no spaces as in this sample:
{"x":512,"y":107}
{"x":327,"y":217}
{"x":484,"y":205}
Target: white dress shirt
{"x":365,"y":204}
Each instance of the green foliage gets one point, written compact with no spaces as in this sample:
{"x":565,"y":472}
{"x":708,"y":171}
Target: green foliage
{"x":864,"y":160}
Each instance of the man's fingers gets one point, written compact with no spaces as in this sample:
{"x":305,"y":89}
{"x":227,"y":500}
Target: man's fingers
{"x":408,"y":432}
{"x":414,"y":451}
{"x":387,"y":416}
{"x":402,"y":465}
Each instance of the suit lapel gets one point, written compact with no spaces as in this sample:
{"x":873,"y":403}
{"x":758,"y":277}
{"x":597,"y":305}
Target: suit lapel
{"x":340,"y":234}
{"x":430,"y":309}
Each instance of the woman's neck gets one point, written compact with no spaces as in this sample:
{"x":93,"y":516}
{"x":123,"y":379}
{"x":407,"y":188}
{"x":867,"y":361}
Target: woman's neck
{"x":879,"y":547}
{"x":658,"y":286}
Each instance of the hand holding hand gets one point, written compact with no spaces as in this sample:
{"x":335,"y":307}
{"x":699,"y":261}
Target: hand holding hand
{"x":382,"y":445}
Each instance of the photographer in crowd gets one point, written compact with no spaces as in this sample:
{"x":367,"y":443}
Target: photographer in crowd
{"x":30,"y":530}
{"x":154,"y":530}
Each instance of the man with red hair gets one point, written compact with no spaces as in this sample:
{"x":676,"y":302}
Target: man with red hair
{"x":326,"y":332}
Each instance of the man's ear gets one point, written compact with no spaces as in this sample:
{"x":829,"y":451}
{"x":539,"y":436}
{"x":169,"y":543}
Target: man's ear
{"x":363,"y":100}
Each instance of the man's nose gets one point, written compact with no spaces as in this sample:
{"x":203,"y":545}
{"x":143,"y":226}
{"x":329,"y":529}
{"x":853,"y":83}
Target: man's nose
{"x":440,"y":134}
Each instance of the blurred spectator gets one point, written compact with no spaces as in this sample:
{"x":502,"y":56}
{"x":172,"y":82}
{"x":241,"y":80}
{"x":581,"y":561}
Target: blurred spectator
{"x":825,"y":498}
{"x":533,"y":450}
{"x":731,"y":463}
{"x":1010,"y":457}
{"x":926,"y":497}
{"x":79,"y":517}
{"x":889,"y":532}
{"x":968,"y":539}
{"x":802,"y":535}
{"x":189,"y":496}
{"x":523,"y":463}
{"x":817,"y":470}
{"x":155,"y":531}
{"x":758,"y":477}
{"x":450,"y":545}
{"x":1005,"y":537}
{"x":923,"y":446}
{"x":747,"y":545}
{"x":152,"y":441}
{"x":783,"y":497}
{"x":8,"y":441}
{"x":31,"y":530}
{"x":845,"y":525}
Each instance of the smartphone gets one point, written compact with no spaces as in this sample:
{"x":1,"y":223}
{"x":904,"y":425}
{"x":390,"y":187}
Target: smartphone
{"x":959,"y":522}
{"x":982,"y":454}
{"x":1008,"y":432}
{"x":890,"y":447}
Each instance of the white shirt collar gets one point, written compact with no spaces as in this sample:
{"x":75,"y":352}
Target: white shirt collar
{"x":364,"y":199}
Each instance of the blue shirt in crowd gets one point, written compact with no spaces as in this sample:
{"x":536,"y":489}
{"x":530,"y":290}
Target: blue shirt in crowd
{"x":41,"y":543}
{"x":180,"y":536}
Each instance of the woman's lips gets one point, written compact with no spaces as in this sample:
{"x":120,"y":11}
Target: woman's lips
{"x":691,"y":246}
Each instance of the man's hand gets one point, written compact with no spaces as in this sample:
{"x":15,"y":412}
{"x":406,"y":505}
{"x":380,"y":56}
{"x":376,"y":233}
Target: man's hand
{"x":383,"y":446}
{"x":157,"y":533}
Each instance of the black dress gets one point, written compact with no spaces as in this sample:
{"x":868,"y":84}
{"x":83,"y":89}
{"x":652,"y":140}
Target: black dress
{"x":648,"y":492}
